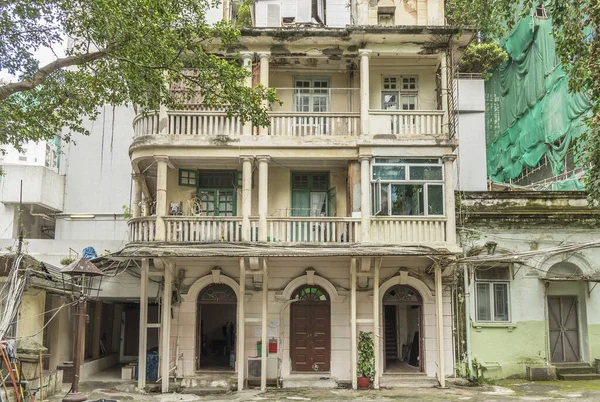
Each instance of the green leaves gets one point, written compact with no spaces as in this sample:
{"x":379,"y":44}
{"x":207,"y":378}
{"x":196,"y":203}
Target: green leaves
{"x":122,"y":52}
{"x":366,"y":355}
{"x":482,"y":58}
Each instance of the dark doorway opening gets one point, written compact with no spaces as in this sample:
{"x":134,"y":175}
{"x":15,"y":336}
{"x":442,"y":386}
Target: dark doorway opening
{"x":402,"y":314}
{"x":216,"y":328}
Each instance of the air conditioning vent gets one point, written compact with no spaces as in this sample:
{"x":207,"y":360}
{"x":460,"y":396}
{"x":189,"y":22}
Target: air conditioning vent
{"x":254,"y":366}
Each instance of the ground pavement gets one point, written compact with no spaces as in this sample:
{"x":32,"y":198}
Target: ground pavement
{"x":505,"y":390}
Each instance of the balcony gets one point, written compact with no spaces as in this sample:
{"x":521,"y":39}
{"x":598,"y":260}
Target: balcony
{"x":291,"y":230}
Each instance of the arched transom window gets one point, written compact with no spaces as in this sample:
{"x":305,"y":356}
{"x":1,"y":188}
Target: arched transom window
{"x":402,"y":293}
{"x":217,"y":293}
{"x":311,"y":293}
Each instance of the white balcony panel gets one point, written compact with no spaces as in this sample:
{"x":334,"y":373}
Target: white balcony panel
{"x":41,"y":186}
{"x":406,"y":123}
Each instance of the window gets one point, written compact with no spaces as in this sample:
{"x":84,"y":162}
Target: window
{"x":217,"y":194}
{"x":407,"y":186}
{"x":311,"y":194}
{"x":399,"y":93}
{"x":492,"y":294}
{"x":311,"y":94}
{"x":188,"y":177}
{"x":540,"y":11}
{"x":310,"y":11}
{"x":51,"y":160}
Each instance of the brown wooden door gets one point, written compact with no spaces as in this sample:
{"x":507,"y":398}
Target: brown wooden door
{"x":310,"y":336}
{"x":564,"y":329}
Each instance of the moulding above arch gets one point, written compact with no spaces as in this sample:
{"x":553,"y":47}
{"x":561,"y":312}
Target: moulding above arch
{"x":405,"y":279}
{"x":214,"y":276}
{"x":310,"y":278}
{"x":579,"y":259}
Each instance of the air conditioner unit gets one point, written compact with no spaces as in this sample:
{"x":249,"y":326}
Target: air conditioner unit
{"x":254,"y":367}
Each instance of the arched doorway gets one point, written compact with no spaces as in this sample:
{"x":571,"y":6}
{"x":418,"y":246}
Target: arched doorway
{"x":310,"y":329}
{"x":565,"y":323}
{"x":402,"y":318}
{"x":216,"y":327}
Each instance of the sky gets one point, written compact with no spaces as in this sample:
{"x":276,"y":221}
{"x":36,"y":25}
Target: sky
{"x":44,"y":55}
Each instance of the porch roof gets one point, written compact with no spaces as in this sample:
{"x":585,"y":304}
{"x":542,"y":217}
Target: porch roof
{"x":218,"y":249}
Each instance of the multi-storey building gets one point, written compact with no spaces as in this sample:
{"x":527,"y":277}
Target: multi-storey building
{"x":337,"y":218}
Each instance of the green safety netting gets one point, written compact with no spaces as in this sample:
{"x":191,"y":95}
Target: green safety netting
{"x":530,"y":112}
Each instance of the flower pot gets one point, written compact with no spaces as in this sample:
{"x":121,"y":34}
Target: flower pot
{"x":363,"y":382}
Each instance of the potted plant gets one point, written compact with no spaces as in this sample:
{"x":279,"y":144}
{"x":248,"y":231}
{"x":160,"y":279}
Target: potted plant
{"x":366,"y":359}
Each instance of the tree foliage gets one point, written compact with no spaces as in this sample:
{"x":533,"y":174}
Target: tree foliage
{"x":576,"y":29}
{"x":482,"y":58}
{"x":121,"y":52}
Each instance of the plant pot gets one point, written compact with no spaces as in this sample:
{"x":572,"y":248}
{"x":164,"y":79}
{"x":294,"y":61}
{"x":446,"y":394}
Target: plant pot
{"x":363,"y":382}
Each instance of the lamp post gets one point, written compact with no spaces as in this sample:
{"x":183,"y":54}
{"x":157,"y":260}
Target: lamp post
{"x":84,"y":276}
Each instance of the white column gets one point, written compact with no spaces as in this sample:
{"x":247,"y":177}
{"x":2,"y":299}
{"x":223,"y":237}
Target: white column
{"x":444,"y":91}
{"x":136,"y":209}
{"x":376,"y":325}
{"x":364,"y":54}
{"x":264,"y":80}
{"x":353,"y":340}
{"x":247,"y":62}
{"x":161,"y":196}
{"x":165,"y":349}
{"x":241,"y":336}
{"x":143,"y":337}
{"x":365,"y":198}
{"x":265,"y":322}
{"x":246,"y":195}
{"x":439,"y":325}
{"x":449,"y":198}
{"x":263,"y":194}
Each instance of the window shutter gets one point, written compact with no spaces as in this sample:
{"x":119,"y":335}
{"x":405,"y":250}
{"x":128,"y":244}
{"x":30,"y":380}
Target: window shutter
{"x":303,"y":10}
{"x":273,"y":15}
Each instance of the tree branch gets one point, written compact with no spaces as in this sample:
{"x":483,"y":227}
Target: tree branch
{"x":40,"y":76}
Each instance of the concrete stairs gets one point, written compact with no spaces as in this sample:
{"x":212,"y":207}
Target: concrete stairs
{"x":576,"y":371}
{"x":309,"y":381}
{"x":412,"y":380}
{"x":203,"y":383}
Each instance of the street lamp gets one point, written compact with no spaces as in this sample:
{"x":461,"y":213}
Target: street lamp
{"x":86,"y":279}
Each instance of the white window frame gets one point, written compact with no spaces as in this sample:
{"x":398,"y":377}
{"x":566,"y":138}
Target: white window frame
{"x":378,"y":184}
{"x":490,"y":283}
{"x":400,"y":90}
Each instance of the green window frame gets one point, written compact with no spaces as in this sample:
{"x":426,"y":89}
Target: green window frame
{"x":188,"y":178}
{"x":306,"y":187}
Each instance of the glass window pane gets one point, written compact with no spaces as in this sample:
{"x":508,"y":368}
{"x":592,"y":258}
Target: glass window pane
{"x":500,"y":302}
{"x":389,"y":100}
{"x":389,"y":172}
{"x":492,"y":273}
{"x":432,"y":161}
{"x":385,"y":200}
{"x":484,"y":311}
{"x":426,"y":173}
{"x":435,"y":199}
{"x":407,"y":199}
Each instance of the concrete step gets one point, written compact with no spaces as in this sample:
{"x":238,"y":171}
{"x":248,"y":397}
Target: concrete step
{"x":213,"y":380}
{"x":575,"y":370}
{"x":578,"y":377}
{"x":309,"y":381}
{"x":419,"y":380}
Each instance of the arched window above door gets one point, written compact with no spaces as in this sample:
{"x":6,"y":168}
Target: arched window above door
{"x":311,"y":293}
{"x":217,"y":293}
{"x":402,"y":293}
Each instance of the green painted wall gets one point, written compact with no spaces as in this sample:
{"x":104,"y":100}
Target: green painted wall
{"x":594,"y":339}
{"x":506,"y":351}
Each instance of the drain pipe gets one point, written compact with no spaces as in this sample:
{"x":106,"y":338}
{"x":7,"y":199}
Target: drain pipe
{"x":467,"y":294}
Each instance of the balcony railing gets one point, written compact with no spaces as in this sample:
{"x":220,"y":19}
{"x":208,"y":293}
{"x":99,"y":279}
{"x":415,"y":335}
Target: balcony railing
{"x":198,"y":229}
{"x":404,"y":122}
{"x":404,"y":230}
{"x":291,"y":124}
{"x":142,"y":229}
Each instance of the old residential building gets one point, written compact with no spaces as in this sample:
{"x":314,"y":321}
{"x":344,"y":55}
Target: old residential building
{"x":337,"y":218}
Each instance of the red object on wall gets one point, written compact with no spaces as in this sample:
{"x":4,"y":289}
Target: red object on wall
{"x":272,"y":345}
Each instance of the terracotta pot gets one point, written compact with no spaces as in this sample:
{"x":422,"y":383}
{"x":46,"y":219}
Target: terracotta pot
{"x":363,"y":382}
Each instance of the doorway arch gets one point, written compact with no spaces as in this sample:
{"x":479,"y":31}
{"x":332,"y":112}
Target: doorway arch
{"x":402,"y":307}
{"x":310,"y":329}
{"x":216,"y":320}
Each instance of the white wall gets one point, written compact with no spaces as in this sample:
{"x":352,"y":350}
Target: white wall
{"x":34,"y":154}
{"x":40,"y":186}
{"x":471,"y":167}
{"x":337,"y":12}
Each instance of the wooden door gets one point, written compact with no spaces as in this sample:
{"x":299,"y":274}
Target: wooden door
{"x":564,"y":329}
{"x":310,"y":336}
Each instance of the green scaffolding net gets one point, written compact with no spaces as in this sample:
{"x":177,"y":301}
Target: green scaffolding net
{"x":530,"y":113}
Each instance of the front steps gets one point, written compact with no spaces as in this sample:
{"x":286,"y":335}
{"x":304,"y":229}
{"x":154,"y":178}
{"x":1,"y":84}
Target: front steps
{"x":576,"y":371}
{"x":399,"y":380}
{"x":309,"y":381}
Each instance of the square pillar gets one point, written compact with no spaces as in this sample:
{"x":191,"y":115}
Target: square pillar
{"x":376,"y":337}
{"x":264,"y":81}
{"x":143,"y":334}
{"x":365,"y":55}
{"x":353,"y":339}
{"x":263,"y":194}
{"x":165,"y":347}
{"x":365,"y":198}
{"x":247,"y":63}
{"x":449,"y":198}
{"x":246,"y":195}
{"x":240,"y":353}
{"x":444,"y":92}
{"x":161,"y":196}
{"x":136,"y":202}
{"x":439,"y":326}
{"x":265,"y":322}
